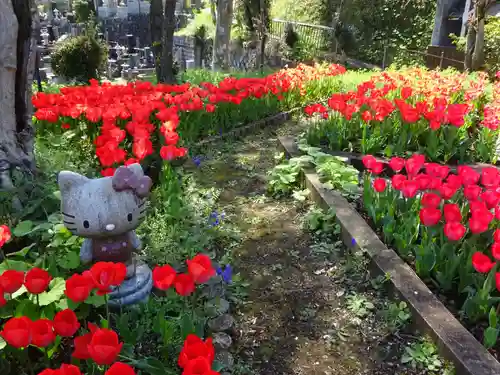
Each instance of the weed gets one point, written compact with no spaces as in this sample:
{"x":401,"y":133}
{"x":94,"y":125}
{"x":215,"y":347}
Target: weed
{"x":359,"y":305}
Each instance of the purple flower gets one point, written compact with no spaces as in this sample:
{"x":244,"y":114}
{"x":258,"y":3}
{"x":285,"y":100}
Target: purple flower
{"x":226,"y":274}
{"x":197,"y":160}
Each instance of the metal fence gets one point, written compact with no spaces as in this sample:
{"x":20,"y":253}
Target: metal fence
{"x":313,"y":36}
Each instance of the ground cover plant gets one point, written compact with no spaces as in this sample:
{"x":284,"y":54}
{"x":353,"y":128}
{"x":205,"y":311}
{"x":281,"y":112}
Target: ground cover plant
{"x":146,"y":123}
{"x":446,"y":116}
{"x":446,"y":223}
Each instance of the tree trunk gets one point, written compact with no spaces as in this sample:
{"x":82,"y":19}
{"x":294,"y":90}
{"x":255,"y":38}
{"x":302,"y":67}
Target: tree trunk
{"x":478,"y":55}
{"x":17,"y":62}
{"x":220,"y":57}
{"x":167,"y":56}
{"x":213,"y":10}
{"x":469,"y":47}
{"x":156,"y":25}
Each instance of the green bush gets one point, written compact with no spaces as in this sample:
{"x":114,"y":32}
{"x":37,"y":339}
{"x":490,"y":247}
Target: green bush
{"x":492,"y":44}
{"x":83,"y":10}
{"x":80,"y":58}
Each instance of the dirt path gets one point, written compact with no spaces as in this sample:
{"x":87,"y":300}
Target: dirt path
{"x":296,"y":319}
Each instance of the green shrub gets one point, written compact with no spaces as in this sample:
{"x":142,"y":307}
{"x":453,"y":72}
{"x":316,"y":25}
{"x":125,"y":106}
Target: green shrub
{"x":83,"y":10}
{"x":80,"y":58}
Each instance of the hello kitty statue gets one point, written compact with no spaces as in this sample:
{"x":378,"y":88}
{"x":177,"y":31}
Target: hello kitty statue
{"x":106,"y":211}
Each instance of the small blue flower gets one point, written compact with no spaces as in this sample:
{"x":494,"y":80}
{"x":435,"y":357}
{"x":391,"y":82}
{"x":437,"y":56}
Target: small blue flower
{"x":215,"y":218}
{"x":353,"y":242}
{"x":197,"y":160}
{"x":226,"y":274}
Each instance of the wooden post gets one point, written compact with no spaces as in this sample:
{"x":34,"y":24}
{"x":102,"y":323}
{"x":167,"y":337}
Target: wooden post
{"x":441,"y":60}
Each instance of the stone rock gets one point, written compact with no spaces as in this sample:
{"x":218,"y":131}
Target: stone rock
{"x":214,"y":288}
{"x":221,"y":323}
{"x":216,"y":307}
{"x":225,"y":358}
{"x":221,"y":340}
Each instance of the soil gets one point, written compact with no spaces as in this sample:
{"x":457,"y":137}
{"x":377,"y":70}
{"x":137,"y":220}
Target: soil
{"x":295,"y":319}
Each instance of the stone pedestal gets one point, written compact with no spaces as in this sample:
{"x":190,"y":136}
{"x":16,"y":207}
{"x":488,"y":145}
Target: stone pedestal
{"x":134,"y":290}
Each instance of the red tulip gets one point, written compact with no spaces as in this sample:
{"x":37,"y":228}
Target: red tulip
{"x":37,"y":280}
{"x":469,"y":175}
{"x":17,"y":332}
{"x":104,"y":346}
{"x":379,"y":185}
{"x":82,"y":346}
{"x":200,"y":267}
{"x":164,"y":276}
{"x":495,"y":250}
{"x":377,"y":168}
{"x":490,"y":177}
{"x":49,"y":371}
{"x":478,"y":226}
{"x":366,"y":116}
{"x":69,"y":370}
{"x":369,"y":161}
{"x":3,"y":301}
{"x":410,"y":188}
{"x":107,"y":274}
{"x":481,"y":262}
{"x":5,"y":234}
{"x":496,"y":235}
{"x":78,"y":288}
{"x":11,"y":281}
{"x":454,"y":230}
{"x":66,"y":323}
{"x":452,"y":213}
{"x":471,"y":192}
{"x":447,"y":191}
{"x":491,"y":198}
{"x":454,"y":181}
{"x":431,"y":200}
{"x":42,"y":333}
{"x":398,"y":181}
{"x":184,"y":284}
{"x":198,"y":366}
{"x":414,"y":164}
{"x":195,"y":347}
{"x":430,"y":216}
{"x":397,"y":164}
{"x":119,"y":368}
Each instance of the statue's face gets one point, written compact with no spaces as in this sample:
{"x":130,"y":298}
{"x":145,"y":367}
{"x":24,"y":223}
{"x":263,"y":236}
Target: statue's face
{"x":93,"y":208}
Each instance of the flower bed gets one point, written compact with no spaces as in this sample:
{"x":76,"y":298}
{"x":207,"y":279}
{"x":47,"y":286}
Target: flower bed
{"x":144,"y":122}
{"x":447,"y":117}
{"x":60,"y":323}
{"x":446,"y":224}
{"x":381,"y":202}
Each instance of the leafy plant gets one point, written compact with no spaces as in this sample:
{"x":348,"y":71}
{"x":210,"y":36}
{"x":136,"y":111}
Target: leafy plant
{"x":424,"y":355}
{"x":397,"y":315}
{"x":284,"y":177}
{"x":80,"y":58}
{"x":359,"y":305}
{"x":319,"y":221}
{"x":491,"y":332}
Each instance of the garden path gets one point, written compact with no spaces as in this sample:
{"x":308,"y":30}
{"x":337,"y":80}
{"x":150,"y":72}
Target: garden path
{"x":294,"y":320}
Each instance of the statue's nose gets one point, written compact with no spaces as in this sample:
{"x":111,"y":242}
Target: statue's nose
{"x":110,"y":227}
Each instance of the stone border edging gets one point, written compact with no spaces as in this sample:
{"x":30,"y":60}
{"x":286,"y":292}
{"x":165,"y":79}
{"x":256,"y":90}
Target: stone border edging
{"x":455,"y":342}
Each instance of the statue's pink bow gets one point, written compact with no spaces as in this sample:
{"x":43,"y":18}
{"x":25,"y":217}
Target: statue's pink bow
{"x":125,"y":179}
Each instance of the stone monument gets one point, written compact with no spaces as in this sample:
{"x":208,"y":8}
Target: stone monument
{"x":106,"y":211}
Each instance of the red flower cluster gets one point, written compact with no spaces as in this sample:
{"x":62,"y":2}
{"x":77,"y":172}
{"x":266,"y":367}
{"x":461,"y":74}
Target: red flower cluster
{"x":5,"y":234}
{"x":118,"y":368}
{"x":35,"y":280}
{"x":197,"y":356}
{"x":466,"y":200}
{"x":200,"y":270}
{"x":21,"y":332}
{"x":373,"y":104}
{"x":130,"y":122}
